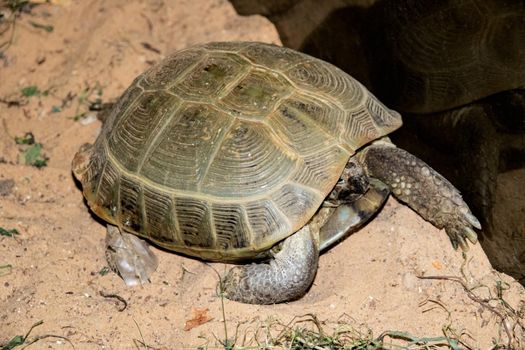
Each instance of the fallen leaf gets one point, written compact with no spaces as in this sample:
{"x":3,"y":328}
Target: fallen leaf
{"x":199,"y":316}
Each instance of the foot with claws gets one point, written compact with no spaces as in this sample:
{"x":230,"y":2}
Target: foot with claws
{"x":428,"y":193}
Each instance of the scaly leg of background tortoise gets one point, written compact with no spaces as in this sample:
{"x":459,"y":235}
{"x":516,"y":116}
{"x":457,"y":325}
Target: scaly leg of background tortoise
{"x":129,"y":256}
{"x":423,"y":189}
{"x":285,"y":277}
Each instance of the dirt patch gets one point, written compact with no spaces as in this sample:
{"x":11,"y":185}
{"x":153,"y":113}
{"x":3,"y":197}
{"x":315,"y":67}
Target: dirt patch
{"x":90,"y":52}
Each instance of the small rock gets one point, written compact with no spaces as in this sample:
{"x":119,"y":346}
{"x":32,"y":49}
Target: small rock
{"x":6,"y":187}
{"x":40,"y":59}
{"x":89,"y":118}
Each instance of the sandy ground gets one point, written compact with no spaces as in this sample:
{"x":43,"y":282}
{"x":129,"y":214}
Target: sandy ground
{"x":95,"y":49}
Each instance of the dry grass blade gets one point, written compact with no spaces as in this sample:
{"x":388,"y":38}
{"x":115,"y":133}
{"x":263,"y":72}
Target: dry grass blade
{"x":505,"y":313}
{"x":117,"y":297}
{"x":23,"y":340}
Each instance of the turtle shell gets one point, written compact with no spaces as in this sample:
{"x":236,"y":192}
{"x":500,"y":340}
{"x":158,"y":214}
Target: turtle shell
{"x":440,"y":55}
{"x":222,"y":150}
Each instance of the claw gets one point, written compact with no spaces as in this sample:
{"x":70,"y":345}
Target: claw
{"x":472,"y":220}
{"x":454,"y":242}
{"x":464,"y":246}
{"x":471,"y":235}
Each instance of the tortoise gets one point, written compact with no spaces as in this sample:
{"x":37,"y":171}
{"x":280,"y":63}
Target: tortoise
{"x":244,"y":151}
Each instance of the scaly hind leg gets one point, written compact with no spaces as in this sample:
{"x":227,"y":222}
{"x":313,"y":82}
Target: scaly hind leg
{"x":285,"y":277}
{"x":129,"y":256}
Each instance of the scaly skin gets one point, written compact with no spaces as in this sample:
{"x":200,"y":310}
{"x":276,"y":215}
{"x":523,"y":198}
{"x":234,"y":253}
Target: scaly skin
{"x":415,"y":183}
{"x":129,"y":256}
{"x":285,"y":277}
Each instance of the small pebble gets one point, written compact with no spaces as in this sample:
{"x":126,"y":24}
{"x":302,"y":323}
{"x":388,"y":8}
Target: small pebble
{"x":89,"y":118}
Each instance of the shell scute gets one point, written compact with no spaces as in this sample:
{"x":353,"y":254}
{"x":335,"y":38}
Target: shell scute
{"x":256,"y":94}
{"x":193,"y":217}
{"x":105,"y":201}
{"x":247,"y":163}
{"x":210,"y":77}
{"x":179,"y":157}
{"x":231,"y":227}
{"x":265,"y":220}
{"x":317,"y":168}
{"x":130,"y":139}
{"x":131,"y":205}
{"x":170,"y":70}
{"x":294,"y":202}
{"x":161,"y":216}
{"x":274,"y":57}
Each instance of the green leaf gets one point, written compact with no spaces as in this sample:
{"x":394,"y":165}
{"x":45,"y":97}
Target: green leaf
{"x":27,"y":139}
{"x":79,"y":116}
{"x":40,"y":163}
{"x":20,"y":339}
{"x":29,"y":91}
{"x":17,"y":340}
{"x":32,"y":153}
{"x":56,"y":109}
{"x":33,"y":157}
{"x":5,"y":270}
{"x":47,"y":28}
{"x":8,"y":233}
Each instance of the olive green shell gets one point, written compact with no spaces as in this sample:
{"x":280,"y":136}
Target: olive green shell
{"x":222,"y":150}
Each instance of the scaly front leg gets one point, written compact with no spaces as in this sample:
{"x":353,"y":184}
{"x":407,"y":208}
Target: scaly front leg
{"x":422,"y":188}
